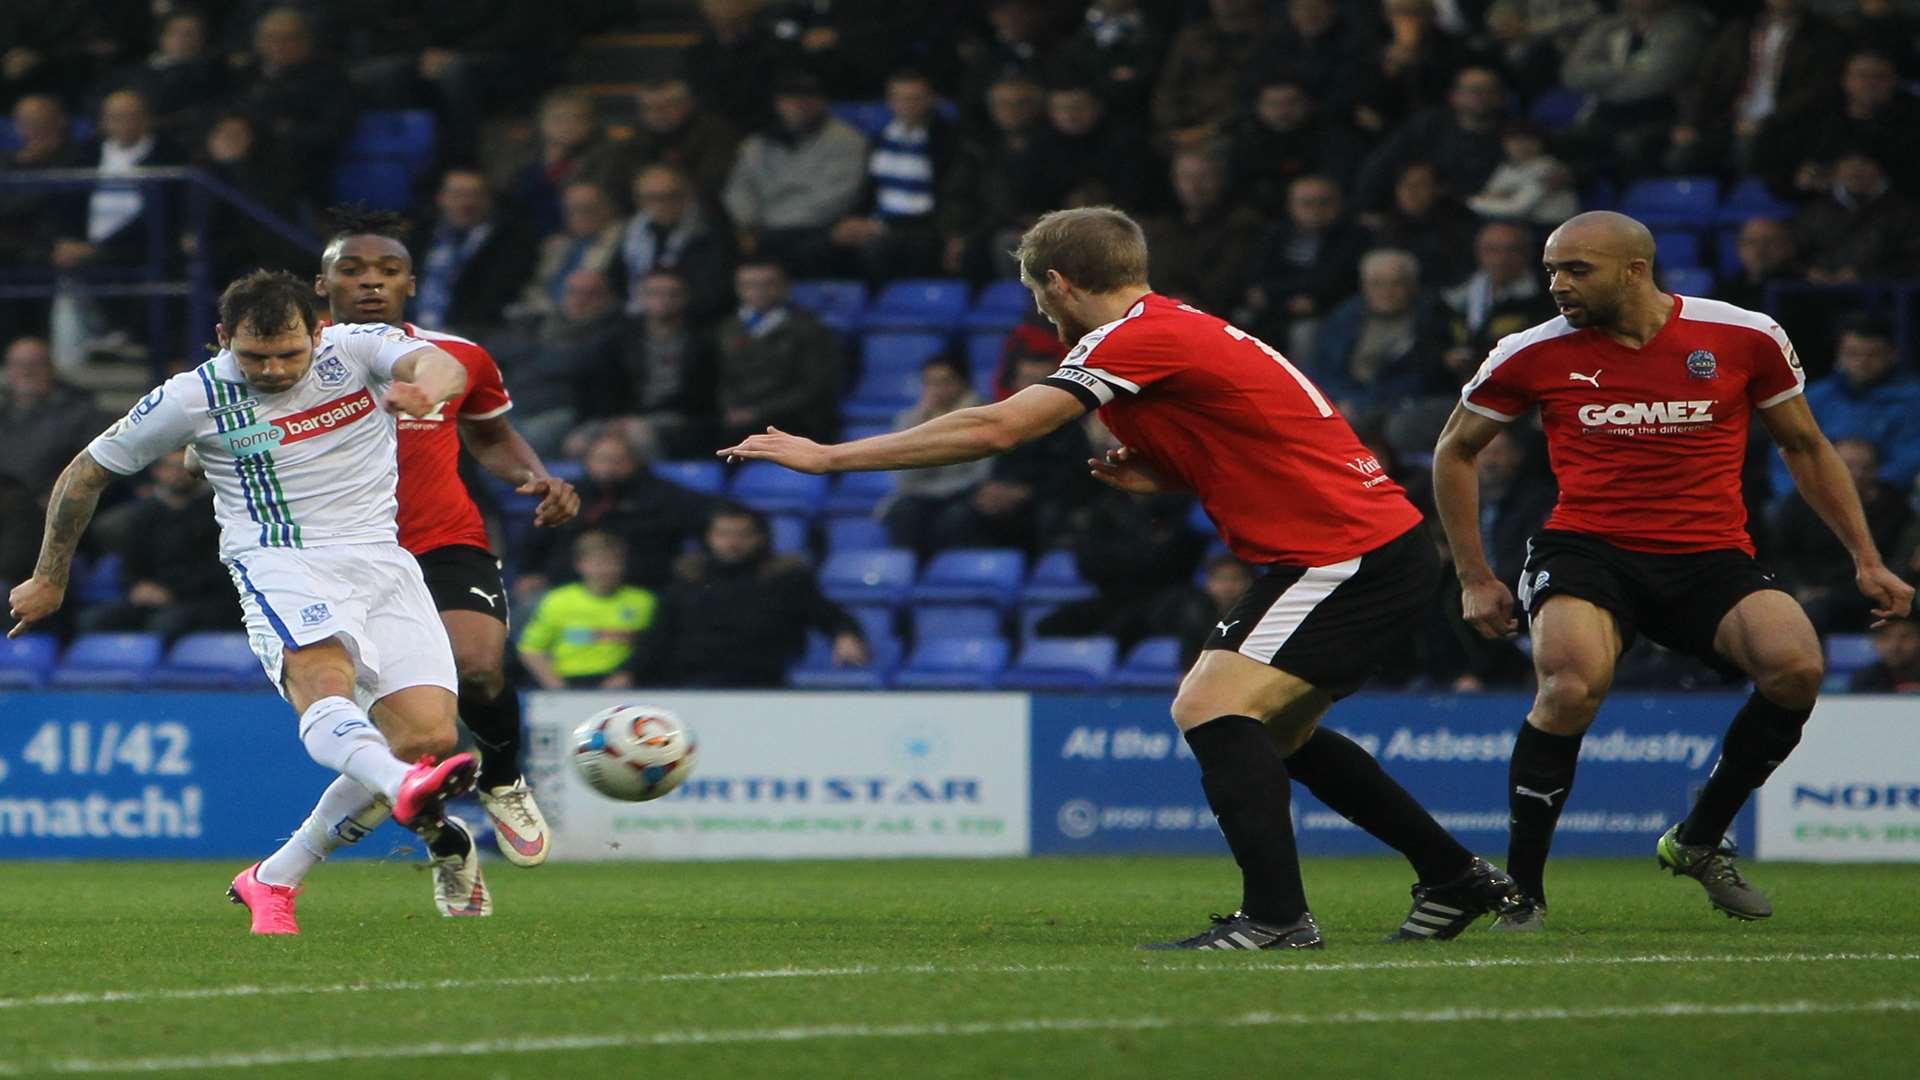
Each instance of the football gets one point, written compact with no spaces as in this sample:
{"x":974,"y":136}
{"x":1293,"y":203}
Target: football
{"x":633,"y":752}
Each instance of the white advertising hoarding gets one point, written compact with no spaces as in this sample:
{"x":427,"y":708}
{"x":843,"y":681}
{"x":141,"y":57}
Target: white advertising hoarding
{"x":1851,"y":791}
{"x":789,"y":776}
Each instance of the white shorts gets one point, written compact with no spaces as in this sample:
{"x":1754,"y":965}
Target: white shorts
{"x":370,"y":596}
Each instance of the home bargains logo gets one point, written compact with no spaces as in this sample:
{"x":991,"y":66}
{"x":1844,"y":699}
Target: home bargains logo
{"x":324,"y":418}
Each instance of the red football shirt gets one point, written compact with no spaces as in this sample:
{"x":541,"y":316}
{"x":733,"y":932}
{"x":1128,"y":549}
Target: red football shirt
{"x":1283,"y":477}
{"x":1647,"y":443}
{"x":435,"y":509}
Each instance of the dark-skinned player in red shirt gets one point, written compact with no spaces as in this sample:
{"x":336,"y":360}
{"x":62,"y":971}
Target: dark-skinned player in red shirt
{"x":1199,"y":405}
{"x":1646,"y":399}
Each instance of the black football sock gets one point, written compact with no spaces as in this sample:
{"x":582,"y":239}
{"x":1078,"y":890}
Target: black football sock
{"x":1538,"y":780}
{"x":1246,"y":784}
{"x":495,"y":723}
{"x":1759,"y":739}
{"x":442,"y":841}
{"x":1348,"y":779}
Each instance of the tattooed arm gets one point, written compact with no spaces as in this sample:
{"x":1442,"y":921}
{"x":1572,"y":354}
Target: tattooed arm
{"x":69,"y":509}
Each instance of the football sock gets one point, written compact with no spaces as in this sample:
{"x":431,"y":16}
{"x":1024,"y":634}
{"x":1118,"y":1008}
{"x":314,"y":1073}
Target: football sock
{"x":495,"y":723}
{"x":339,"y":735}
{"x":442,"y":841}
{"x":1759,"y":739}
{"x":1348,"y":779}
{"x":346,"y":812}
{"x":1538,"y":779}
{"x":1246,"y":784}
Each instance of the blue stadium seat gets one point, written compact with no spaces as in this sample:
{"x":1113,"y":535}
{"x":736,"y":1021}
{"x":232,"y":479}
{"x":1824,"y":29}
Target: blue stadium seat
{"x":1676,"y":250}
{"x":1154,"y":664}
{"x":953,"y":663}
{"x":870,"y":118}
{"x":775,"y":489}
{"x":895,"y":351}
{"x":857,"y":493}
{"x":1557,"y":108}
{"x":569,"y":469}
{"x":1752,"y":198}
{"x":408,"y":136}
{"x":1599,"y":194}
{"x":972,"y":576}
{"x":789,"y":535}
{"x":983,"y":360}
{"x":837,"y":304}
{"x":956,"y":620}
{"x":26,"y":661}
{"x":1199,"y":522}
{"x":1679,"y":202}
{"x":881,"y":394}
{"x":382,"y":185}
{"x":103,"y":661}
{"x":865,"y":429}
{"x":212,"y":660}
{"x":934,"y":304}
{"x":707,"y":477}
{"x":1689,"y":281}
{"x":1030,"y":616}
{"x":881,"y":576}
{"x":1056,"y":580}
{"x":845,"y":533}
{"x":1726,"y":256}
{"x":999,"y":306}
{"x":1848,"y":653}
{"x":100,"y":583}
{"x":816,"y":670}
{"x":876,"y":620}
{"x":1081,"y":663}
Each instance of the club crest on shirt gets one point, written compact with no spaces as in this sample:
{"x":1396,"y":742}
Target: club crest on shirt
{"x":314,"y":615}
{"x":1702,"y":365}
{"x":330,"y":373}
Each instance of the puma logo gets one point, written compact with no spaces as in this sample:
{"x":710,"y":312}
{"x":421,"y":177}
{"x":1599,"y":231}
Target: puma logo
{"x":1223,"y":627}
{"x":492,"y":599}
{"x":1544,"y":796}
{"x":1593,"y":378}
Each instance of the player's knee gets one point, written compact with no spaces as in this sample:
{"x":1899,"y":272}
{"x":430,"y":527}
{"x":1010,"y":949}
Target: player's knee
{"x":1566,"y":703}
{"x":426,"y":740}
{"x":482,"y":680}
{"x":1794,"y":684}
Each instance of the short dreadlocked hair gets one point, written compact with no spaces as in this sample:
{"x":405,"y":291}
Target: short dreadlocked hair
{"x":357,"y":219}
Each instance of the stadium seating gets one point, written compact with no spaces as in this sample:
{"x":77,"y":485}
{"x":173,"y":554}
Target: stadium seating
{"x":857,"y":493}
{"x":1751,"y":198}
{"x":1198,"y":521}
{"x":1848,"y":653}
{"x":108,"y":661}
{"x":775,"y":489}
{"x":1676,"y":250}
{"x":381,"y":185}
{"x":1056,"y":580}
{"x":407,"y":136}
{"x":789,"y":535}
{"x":899,"y":351}
{"x":100,"y":583}
{"x":1153,"y":664}
{"x":846,"y":533}
{"x":956,"y":620}
{"x":999,"y":306}
{"x":972,"y":576}
{"x":870,"y":118}
{"x":214,"y":660}
{"x":26,"y":661}
{"x":1690,"y":281}
{"x":1083,"y":663}
{"x":1030,"y":616}
{"x":837,"y":304}
{"x":983,"y":360}
{"x":865,"y":429}
{"x":816,"y":670}
{"x":882,"y":392}
{"x":706,"y":477}
{"x":882,"y":576}
{"x":1557,"y":108}
{"x":953,"y":663}
{"x":1678,"y":202}
{"x":930,"y":304}
{"x":876,"y":620}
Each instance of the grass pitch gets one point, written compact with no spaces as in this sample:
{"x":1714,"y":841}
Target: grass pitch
{"x":943,"y":969}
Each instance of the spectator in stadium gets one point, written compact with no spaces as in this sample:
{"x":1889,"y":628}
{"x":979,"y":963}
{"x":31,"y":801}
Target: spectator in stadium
{"x":1307,"y":263}
{"x":1632,"y":64}
{"x":582,"y":634}
{"x":1095,"y":157}
{"x":1321,"y":44}
{"x":1517,"y":492}
{"x":1555,"y":23}
{"x":1529,"y":58}
{"x":19,"y":531}
{"x":1138,"y":552}
{"x":1191,"y":614}
{"x":729,"y":63}
{"x":1202,"y":250}
{"x":43,"y":422}
{"x":853,"y":44}
{"x":1754,"y":64}
{"x":896,"y":232}
{"x":921,"y":495}
{"x":1018,"y":41}
{"x":1867,"y":112}
{"x":30,"y":220}
{"x":65,"y":49}
{"x":558,"y":368}
{"x":1461,"y":141}
{"x":1417,"y":62}
{"x":184,"y":77}
{"x":299,"y":98}
{"x":476,"y":259}
{"x":735,"y":615}
{"x":675,"y":130}
{"x":238,"y":153}
{"x":1504,"y":296}
{"x":1032,"y":338}
{"x":1008,"y":510}
{"x":169,"y":553}
{"x":1200,"y":82}
{"x":1426,"y":219}
{"x":1118,"y":47}
{"x":620,"y":495}
{"x":112,"y":229}
{"x":1530,"y":184}
{"x":665,"y":385}
{"x":589,"y":239}
{"x":777,"y":365}
{"x":792,"y":182}
{"x":672,"y":231}
{"x":1768,"y":254}
{"x":1382,"y":347}
{"x":1862,"y":228}
{"x":1814,"y":564}
{"x":998,"y":185}
{"x":1897,"y":644}
{"x":1287,"y":135}
{"x":570,"y":145}
{"x":1888,"y":25}
{"x":1868,"y":397}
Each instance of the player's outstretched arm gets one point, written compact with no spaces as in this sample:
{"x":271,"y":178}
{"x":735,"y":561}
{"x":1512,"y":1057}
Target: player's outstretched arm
{"x":961,"y":435}
{"x":1485,"y":601}
{"x":503,"y":452}
{"x":69,"y":509}
{"x":423,"y":379}
{"x":1823,"y":481}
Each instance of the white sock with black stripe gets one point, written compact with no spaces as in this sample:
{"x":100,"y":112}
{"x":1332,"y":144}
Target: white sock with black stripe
{"x":339,"y":735}
{"x":346,"y":812}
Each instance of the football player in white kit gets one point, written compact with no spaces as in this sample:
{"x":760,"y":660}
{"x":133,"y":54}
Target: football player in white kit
{"x":295,"y":426}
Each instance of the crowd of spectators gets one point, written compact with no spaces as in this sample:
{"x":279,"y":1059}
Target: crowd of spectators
{"x":1365,"y":185}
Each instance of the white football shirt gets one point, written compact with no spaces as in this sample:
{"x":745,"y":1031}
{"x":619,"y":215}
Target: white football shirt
{"x":312,"y":466}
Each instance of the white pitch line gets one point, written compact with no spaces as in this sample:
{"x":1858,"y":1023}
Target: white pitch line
{"x":1045,"y":1025}
{"x":1305,"y":967}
